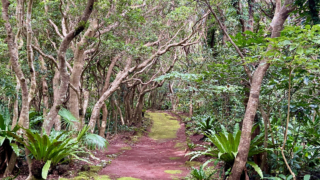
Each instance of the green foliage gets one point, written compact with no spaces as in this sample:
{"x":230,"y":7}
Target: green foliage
{"x":206,"y":124}
{"x":200,"y":174}
{"x":177,"y":75}
{"x":45,"y":169}
{"x":56,"y":149}
{"x":256,"y":168}
{"x":5,"y":130}
{"x":296,"y":46}
{"x":227,"y":147}
{"x":289,"y":177}
{"x":191,"y":145}
{"x":248,"y":38}
{"x":92,"y":141}
{"x":68,"y":118}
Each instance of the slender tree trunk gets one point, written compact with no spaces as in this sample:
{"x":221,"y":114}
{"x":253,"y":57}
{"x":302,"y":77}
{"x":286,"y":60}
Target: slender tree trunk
{"x":138,"y":110}
{"x":14,"y":58}
{"x":56,"y":90}
{"x":172,"y":98}
{"x":84,"y":107}
{"x":44,"y":83}
{"x":104,"y":121}
{"x":190,"y":103}
{"x":16,"y":105}
{"x":119,"y":110}
{"x":33,"y":85}
{"x":127,"y":107}
{"x":243,"y":150}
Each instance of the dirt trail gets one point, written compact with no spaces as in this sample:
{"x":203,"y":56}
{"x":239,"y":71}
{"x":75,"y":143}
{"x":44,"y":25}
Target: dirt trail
{"x":159,"y":156}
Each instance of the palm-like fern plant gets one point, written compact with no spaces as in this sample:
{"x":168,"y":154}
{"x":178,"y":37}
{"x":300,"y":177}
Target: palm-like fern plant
{"x":68,"y":120}
{"x":92,"y":141}
{"x":227,"y":147}
{"x":50,"y":150}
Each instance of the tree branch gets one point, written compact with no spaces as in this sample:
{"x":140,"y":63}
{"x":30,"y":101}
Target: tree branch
{"x":45,"y":55}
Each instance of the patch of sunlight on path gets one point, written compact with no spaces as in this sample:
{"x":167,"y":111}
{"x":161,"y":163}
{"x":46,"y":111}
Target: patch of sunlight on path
{"x":164,"y":126}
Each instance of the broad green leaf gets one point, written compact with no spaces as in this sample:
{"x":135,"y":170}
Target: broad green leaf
{"x":256,"y":168}
{"x":2,"y":124}
{"x":306,"y":177}
{"x":45,"y":169}
{"x":236,"y":129}
{"x":2,"y":140}
{"x":15,"y":148}
{"x":282,"y":176}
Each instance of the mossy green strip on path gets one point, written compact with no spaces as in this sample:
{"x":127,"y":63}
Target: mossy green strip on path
{"x":173,"y":171}
{"x":127,"y":178}
{"x":174,"y":158}
{"x":163,"y":126}
{"x":102,"y":177}
{"x":180,"y":146}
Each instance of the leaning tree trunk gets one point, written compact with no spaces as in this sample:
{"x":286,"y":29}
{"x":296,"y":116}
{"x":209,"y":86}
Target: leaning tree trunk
{"x":243,"y":150}
{"x":113,"y":87}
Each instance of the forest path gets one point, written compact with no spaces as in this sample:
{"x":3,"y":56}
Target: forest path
{"x":160,"y":155}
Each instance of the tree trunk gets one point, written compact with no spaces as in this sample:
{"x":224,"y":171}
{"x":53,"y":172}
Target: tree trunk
{"x":84,"y":107}
{"x":14,"y":58}
{"x":113,"y":87}
{"x":64,"y":75}
{"x":74,"y":104}
{"x":138,"y":110}
{"x":243,"y":150}
{"x":119,"y":110}
{"x":44,"y":84}
{"x":190,"y":103}
{"x":56,"y":89}
{"x":172,"y":98}
{"x":16,"y":105}
{"x":104,"y":121}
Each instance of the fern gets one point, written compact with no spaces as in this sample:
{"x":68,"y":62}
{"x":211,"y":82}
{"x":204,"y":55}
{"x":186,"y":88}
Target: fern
{"x":227,"y":147}
{"x":93,"y":141}
{"x":68,"y":118}
{"x":200,"y":174}
{"x":56,"y":149}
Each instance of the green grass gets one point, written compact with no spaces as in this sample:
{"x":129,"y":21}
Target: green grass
{"x":163,"y":127}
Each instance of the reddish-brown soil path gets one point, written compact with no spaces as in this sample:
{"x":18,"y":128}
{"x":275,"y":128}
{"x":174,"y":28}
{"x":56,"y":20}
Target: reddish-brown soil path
{"x":148,"y":158}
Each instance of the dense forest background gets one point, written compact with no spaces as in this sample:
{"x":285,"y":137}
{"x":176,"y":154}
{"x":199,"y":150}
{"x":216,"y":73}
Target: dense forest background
{"x":245,"y":71}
